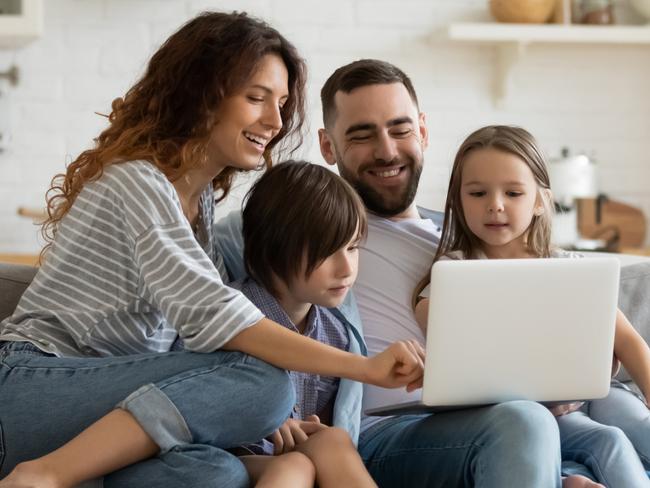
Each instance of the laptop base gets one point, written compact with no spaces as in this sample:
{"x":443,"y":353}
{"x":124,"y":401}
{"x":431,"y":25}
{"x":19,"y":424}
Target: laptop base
{"x":417,"y":408}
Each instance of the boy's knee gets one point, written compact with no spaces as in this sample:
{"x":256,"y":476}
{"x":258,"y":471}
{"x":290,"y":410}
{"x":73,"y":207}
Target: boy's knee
{"x":299,"y":461}
{"x":302,"y":469}
{"x":335,"y":437}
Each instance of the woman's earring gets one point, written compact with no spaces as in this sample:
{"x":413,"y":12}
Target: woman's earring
{"x":538,"y":211}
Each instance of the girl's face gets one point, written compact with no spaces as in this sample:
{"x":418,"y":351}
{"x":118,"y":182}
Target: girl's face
{"x":499,"y":196}
{"x":250,"y":118}
{"x":330,"y":281}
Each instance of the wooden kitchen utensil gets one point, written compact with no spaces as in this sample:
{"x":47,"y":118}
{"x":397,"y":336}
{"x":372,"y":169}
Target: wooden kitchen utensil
{"x":628,"y":221}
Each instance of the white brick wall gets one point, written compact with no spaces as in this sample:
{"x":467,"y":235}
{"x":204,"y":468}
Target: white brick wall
{"x":590,"y":98}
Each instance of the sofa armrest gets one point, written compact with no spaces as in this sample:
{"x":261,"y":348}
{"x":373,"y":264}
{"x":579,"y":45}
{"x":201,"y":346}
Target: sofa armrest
{"x":634,"y":294}
{"x":634,"y":300}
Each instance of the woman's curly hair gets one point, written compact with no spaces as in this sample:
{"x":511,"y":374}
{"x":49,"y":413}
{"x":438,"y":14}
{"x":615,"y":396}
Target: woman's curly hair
{"x":167,"y":116}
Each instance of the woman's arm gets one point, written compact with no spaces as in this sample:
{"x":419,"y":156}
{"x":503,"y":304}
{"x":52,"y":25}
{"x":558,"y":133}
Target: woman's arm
{"x":633,"y":352}
{"x":401,"y":364}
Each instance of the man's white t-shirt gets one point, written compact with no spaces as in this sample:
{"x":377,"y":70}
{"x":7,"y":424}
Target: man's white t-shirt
{"x":392,"y":261}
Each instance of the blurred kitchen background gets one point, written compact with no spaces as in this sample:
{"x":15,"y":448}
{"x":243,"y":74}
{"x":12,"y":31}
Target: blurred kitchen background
{"x":576,"y":74}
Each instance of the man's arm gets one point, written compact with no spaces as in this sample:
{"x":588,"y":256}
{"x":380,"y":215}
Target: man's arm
{"x":229,"y":242}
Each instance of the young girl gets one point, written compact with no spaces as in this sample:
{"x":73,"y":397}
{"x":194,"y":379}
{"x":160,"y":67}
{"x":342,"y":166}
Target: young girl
{"x":300,"y":252}
{"x":88,"y":384}
{"x":499,"y":206}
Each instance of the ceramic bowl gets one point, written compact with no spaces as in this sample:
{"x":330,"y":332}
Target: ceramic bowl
{"x":522,"y":11}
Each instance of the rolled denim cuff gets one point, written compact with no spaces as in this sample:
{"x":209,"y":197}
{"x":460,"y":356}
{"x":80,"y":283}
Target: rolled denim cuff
{"x":158,"y":416}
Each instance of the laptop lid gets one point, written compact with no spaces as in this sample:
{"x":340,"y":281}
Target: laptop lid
{"x":536,"y":329}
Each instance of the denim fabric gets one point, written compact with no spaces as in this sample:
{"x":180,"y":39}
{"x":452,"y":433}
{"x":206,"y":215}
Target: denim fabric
{"x":604,"y":449}
{"x":194,"y":465}
{"x":623,"y":409}
{"x":463,"y":448}
{"x":191,"y":404}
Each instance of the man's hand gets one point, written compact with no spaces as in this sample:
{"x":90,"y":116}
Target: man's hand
{"x":294,"y":432}
{"x":401,"y":364}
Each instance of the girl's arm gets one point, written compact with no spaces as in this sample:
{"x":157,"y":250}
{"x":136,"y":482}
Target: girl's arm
{"x":633,"y":352}
{"x":421,"y":312}
{"x":401,"y":364}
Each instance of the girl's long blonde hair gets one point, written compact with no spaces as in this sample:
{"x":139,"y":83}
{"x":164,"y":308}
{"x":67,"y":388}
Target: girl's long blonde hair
{"x":166,"y":118}
{"x":456,"y":234}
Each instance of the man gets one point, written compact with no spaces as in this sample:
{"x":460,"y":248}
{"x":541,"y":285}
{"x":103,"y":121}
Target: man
{"x":376,"y":136}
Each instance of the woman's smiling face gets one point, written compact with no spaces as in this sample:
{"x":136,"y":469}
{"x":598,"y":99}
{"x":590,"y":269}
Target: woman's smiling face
{"x":249,"y":119}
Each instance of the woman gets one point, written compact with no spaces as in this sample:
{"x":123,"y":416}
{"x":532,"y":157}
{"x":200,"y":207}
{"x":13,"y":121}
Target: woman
{"x":132,"y":267}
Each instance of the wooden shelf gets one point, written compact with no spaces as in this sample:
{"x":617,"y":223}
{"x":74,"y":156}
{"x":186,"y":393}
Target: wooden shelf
{"x":36,"y":214}
{"x":22,"y":24}
{"x":511,"y":41}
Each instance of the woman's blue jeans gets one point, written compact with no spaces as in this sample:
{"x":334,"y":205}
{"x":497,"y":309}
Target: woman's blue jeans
{"x":192,"y":405}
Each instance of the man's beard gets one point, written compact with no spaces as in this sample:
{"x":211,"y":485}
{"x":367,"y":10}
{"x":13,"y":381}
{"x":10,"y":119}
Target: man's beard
{"x":377,"y":203}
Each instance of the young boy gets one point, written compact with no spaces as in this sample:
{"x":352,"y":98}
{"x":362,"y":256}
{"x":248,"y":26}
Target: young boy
{"x":300,"y":252}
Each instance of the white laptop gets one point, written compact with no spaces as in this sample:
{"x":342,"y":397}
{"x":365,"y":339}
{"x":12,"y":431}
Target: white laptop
{"x":507,"y":329}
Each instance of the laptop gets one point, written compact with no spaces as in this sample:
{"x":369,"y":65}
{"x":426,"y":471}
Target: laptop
{"x":510,"y":329}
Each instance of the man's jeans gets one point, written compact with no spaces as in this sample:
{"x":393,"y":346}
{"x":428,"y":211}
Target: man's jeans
{"x":511,"y":444}
{"x":192,"y":405}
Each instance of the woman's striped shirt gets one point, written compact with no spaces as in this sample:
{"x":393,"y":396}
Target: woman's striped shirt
{"x":126,"y":275}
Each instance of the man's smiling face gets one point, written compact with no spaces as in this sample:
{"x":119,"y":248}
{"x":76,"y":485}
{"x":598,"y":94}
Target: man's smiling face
{"x":377,"y":141}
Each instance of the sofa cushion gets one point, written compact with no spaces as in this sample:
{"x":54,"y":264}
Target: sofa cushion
{"x":14,"y":278}
{"x":634,"y":300}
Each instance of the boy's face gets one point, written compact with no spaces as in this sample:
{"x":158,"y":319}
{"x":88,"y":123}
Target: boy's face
{"x":330,"y":281}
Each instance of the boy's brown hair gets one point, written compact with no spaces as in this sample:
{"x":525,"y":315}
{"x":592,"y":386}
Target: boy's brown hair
{"x":295,"y":216}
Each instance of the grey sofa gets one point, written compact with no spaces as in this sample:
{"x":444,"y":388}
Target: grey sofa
{"x":14,"y":278}
{"x":634,"y":295}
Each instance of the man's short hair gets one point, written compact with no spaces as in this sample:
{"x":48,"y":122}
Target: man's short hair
{"x":360,"y":73}
{"x":295,"y":216}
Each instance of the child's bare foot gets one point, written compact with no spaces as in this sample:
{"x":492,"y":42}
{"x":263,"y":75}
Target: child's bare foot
{"x":578,"y":481}
{"x":29,"y":475}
